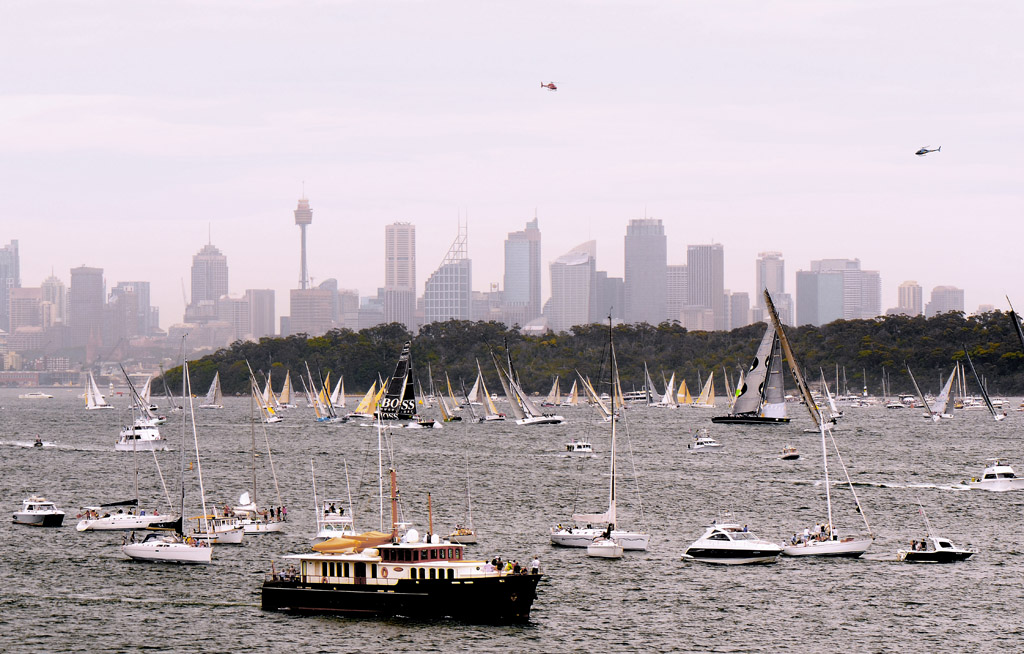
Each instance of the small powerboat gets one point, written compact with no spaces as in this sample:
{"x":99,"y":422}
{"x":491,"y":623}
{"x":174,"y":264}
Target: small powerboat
{"x":934,"y":549}
{"x":789,"y":453}
{"x":39,"y":512}
{"x":997,"y":476}
{"x":703,"y":443}
{"x":605,"y":548}
{"x":731,"y":544}
{"x":582,"y":446}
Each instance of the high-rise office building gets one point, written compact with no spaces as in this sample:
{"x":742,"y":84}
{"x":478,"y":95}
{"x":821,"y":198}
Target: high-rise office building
{"x":676,"y":292}
{"x":261,"y":311}
{"x":139,"y":313}
{"x":56,"y":294}
{"x":400,"y":274}
{"x":86,"y":299}
{"x":448,"y":293}
{"x":705,"y":287}
{"x":739,"y":310}
{"x":646,"y":278}
{"x":25,"y":308}
{"x":311,"y":311}
{"x":911,"y":299}
{"x":610,"y":298}
{"x":943,"y":300}
{"x":236,"y":312}
{"x":573,"y":288}
{"x":10,"y":277}
{"x":836,"y":289}
{"x":770,"y":271}
{"x":209,"y":279}
{"x":521,"y":297}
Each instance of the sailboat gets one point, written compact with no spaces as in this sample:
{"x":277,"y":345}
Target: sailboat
{"x":523,"y":408}
{"x":167,"y":391}
{"x":451,"y":394}
{"x":827,"y":541}
{"x":669,"y":398}
{"x":143,"y":433}
{"x":554,"y":397}
{"x":465,"y":534}
{"x":399,"y":398}
{"x":594,"y":399}
{"x":491,"y":412}
{"x":93,"y":398}
{"x":573,"y":398}
{"x":683,"y":396}
{"x":760,"y":397}
{"x":574,"y":536}
{"x":928,"y":411}
{"x":267,"y":412}
{"x":984,"y":392}
{"x":706,"y":399}
{"x":284,"y":400}
{"x":214,"y":397}
{"x":171,"y":546}
{"x":338,"y":394}
{"x":365,"y":408}
{"x":943,"y":404}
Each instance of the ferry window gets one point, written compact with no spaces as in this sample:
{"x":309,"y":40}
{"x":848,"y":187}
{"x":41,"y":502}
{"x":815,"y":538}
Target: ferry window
{"x":449,"y":552}
{"x":345,"y":570}
{"x":373,"y":570}
{"x":433,"y":573}
{"x":458,"y":552}
{"x":415,"y":555}
{"x":451,"y":574}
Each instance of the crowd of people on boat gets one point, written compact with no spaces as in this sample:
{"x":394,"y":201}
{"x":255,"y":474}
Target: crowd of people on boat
{"x":918,"y":545}
{"x":513,"y":566}
{"x":820,"y":532}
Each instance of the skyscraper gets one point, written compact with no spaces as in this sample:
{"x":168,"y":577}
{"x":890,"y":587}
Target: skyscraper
{"x":303,"y":217}
{"x":944,"y":299}
{"x":770,"y":270}
{"x":261,"y":311}
{"x":573,"y":288}
{"x":86,"y":300}
{"x":706,"y":286}
{"x":56,"y":294}
{"x":209,"y":276}
{"x":911,"y":296}
{"x":447,"y":295}
{"x":10,"y":277}
{"x":521,"y":299}
{"x":130,"y":303}
{"x":400,"y":274}
{"x":677,"y":291}
{"x":841,"y":288}
{"x":646,"y":278}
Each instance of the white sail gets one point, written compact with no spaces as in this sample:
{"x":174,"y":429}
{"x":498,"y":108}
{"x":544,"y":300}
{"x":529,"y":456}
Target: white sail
{"x":93,"y":398}
{"x":669,"y":398}
{"x":214,"y":397}
{"x":145,"y":392}
{"x":574,"y":396}
{"x":338,"y":394}
{"x":594,"y":399}
{"x":706,"y":399}
{"x":942,"y":405}
{"x":474,"y":391}
{"x":555,"y":394}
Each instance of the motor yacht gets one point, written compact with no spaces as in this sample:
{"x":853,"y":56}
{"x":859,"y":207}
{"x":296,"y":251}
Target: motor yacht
{"x":731,"y":544}
{"x":934,"y":549}
{"x":333,"y":522}
{"x":703,"y":443}
{"x":581,"y":446}
{"x":39,"y":512}
{"x":140,"y":435}
{"x":789,"y":453}
{"x":997,"y":476}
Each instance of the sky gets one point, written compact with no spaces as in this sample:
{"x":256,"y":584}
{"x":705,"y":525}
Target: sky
{"x":131,"y":132}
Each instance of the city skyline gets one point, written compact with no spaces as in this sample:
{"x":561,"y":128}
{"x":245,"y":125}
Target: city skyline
{"x":708,"y":117}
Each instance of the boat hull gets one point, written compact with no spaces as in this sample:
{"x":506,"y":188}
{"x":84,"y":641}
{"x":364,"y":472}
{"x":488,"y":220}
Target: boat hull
{"x":729,"y":556}
{"x":221,"y":537}
{"x":505,"y":599}
{"x":127,"y":522}
{"x":848,"y":547}
{"x":141,"y":445}
{"x":584,"y":537}
{"x":167,"y":552}
{"x":55,"y":519}
{"x":604,"y":550}
{"x":998,"y":485}
{"x":940,"y":556}
{"x":748,"y":420}
{"x":541,"y":420}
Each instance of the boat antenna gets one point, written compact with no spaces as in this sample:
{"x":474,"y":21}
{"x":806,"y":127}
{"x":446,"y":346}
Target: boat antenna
{"x":927,"y":523}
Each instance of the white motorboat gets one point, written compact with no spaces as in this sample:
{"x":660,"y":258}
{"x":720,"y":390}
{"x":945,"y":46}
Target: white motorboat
{"x":35,"y":395}
{"x":140,"y":435}
{"x":106,"y":518}
{"x":604,"y":548}
{"x":579,"y":446}
{"x":827,"y":544}
{"x":167,"y":547}
{"x":934,"y":549}
{"x":218,"y":529}
{"x":254,"y":521}
{"x":703,"y":443}
{"x":997,"y":476}
{"x":333,"y":522}
{"x":731,"y":544}
{"x":39,"y":512}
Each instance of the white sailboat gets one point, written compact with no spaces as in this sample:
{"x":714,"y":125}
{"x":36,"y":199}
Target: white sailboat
{"x":706,"y":399}
{"x":594,"y":399}
{"x":171,"y":546}
{"x":214,"y":397}
{"x":93,"y":398}
{"x":573,"y":398}
{"x":267,"y":412}
{"x":338,"y":394}
{"x":943,"y":404}
{"x":575,"y":536}
{"x":491,"y":412}
{"x":827,"y":541}
{"x":928,"y":411}
{"x":760,"y":397}
{"x":554,"y":396}
{"x":248,"y":514}
{"x":285,"y":398}
{"x":997,"y":416}
{"x":525,"y":411}
{"x":669,"y":398}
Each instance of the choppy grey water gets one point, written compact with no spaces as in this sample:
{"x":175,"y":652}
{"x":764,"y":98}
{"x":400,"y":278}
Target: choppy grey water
{"x":65,"y":591}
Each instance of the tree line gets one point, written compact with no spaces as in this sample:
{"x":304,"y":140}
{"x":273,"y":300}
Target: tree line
{"x":859,"y":349}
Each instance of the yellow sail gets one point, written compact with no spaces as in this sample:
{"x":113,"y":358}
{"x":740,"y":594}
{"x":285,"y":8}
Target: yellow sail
{"x":683,"y":396}
{"x":322,"y":395}
{"x":365,"y":406}
{"x":574,"y":395}
{"x":286,"y":391}
{"x":455,"y":403}
{"x":355,"y":543}
{"x":706,"y":399}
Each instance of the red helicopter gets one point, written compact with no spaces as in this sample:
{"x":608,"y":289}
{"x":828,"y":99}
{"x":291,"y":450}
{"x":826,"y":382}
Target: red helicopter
{"x":549,"y":86}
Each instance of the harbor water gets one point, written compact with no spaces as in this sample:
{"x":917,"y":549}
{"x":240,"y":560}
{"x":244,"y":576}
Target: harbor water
{"x":66,"y":591}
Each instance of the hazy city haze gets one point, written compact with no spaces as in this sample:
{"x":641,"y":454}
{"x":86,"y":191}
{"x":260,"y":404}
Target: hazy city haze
{"x":134,"y":132}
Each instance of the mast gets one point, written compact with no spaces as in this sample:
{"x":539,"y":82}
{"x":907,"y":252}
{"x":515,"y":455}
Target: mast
{"x":394,"y":506}
{"x":793,"y":367}
{"x":920,"y":395}
{"x":615,"y":375}
{"x":824,"y":462}
{"x":199,"y":461}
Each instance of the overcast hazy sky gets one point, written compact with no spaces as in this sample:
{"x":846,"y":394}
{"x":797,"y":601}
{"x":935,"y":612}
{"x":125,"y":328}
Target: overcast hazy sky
{"x":128,"y":128}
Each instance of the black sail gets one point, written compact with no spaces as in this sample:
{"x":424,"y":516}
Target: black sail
{"x":399,"y":401}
